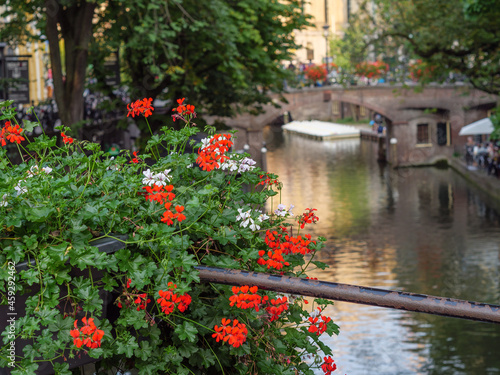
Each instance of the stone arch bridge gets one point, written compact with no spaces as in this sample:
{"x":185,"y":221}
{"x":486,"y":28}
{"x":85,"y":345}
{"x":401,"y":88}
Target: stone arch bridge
{"x":423,"y":123}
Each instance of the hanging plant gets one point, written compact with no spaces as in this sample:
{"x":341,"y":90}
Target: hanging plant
{"x":161,"y":213}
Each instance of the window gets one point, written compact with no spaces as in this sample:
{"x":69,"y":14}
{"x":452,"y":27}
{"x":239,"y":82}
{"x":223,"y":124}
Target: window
{"x":423,"y":134}
{"x":443,"y":134}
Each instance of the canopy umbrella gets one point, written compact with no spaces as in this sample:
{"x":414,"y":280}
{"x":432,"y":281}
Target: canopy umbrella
{"x":483,"y":126}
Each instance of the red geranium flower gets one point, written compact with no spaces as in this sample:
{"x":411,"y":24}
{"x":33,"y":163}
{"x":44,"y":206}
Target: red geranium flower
{"x":140,"y":107}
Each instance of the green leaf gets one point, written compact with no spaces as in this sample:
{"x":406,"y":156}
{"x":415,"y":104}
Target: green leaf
{"x":186,"y":330}
{"x":6,"y":103}
{"x":60,"y":324}
{"x":127,"y":347}
{"x":145,"y":350}
{"x":29,"y":125}
{"x":186,"y":350}
{"x":61,"y":368}
{"x":56,"y":252}
{"x":319,"y":264}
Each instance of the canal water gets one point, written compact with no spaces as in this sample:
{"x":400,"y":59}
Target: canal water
{"x":421,"y":230}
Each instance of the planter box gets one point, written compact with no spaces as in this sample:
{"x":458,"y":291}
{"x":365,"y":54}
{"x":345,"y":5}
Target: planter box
{"x":105,"y":245}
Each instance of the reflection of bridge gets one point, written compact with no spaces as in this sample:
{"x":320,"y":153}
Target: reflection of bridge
{"x":424,"y":122}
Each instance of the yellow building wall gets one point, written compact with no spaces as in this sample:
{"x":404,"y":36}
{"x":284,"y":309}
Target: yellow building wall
{"x":37,"y":70}
{"x":314,"y":36}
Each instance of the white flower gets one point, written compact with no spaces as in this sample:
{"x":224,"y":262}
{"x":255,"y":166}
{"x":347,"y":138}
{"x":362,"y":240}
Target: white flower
{"x":47,"y":169}
{"x":20,"y":189}
{"x":282,"y":211}
{"x":242,"y":215}
{"x":3,"y":202}
{"x":148,"y":179}
{"x":263,"y":217}
{"x":315,"y":313}
{"x":33,"y":171}
{"x":205,"y":142}
{"x":254,"y":226}
{"x":166,"y":172}
{"x":245,"y":223}
{"x":248,"y":161}
{"x":246,"y":164}
{"x":243,"y":168}
{"x":231,"y":165}
{"x":160,"y":179}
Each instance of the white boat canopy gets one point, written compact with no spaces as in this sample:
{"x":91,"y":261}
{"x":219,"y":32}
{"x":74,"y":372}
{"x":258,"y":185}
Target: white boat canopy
{"x":483,"y":126}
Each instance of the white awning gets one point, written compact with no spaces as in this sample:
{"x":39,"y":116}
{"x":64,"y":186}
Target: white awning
{"x":483,"y":126}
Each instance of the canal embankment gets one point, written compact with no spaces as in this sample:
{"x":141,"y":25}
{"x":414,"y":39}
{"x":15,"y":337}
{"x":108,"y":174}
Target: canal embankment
{"x":488,"y":184}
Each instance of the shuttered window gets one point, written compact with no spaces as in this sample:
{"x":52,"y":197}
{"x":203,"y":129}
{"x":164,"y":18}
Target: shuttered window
{"x":423,"y":133}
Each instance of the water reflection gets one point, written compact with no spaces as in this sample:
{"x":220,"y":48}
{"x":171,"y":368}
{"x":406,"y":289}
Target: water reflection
{"x":419,"y":230}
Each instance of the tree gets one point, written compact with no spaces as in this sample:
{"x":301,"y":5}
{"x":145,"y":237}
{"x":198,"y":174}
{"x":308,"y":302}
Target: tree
{"x":70,"y":21}
{"x":224,"y":55}
{"x":453,"y":36}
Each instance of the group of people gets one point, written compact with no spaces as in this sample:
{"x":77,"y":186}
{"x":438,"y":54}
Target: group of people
{"x":484,"y":155}
{"x":377,"y":124}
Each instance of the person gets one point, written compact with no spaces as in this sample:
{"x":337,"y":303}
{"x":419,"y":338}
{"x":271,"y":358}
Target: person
{"x":379,"y":123}
{"x":491,"y":158}
{"x":372,"y":125}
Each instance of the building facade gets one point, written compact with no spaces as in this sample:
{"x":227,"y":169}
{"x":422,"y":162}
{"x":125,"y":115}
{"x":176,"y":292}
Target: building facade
{"x":330,"y":18}
{"x":27,"y":65}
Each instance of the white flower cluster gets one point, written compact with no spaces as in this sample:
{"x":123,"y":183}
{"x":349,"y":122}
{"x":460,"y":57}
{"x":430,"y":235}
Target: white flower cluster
{"x":282,"y":211}
{"x":31,"y":173}
{"x":3,"y":202}
{"x":244,"y":165}
{"x":247,"y":221}
{"x":34,"y":170}
{"x":113,"y":167}
{"x":159,"y":179}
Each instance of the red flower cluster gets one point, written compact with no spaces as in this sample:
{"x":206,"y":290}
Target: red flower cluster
{"x":66,"y":139}
{"x":315,"y":73}
{"x":328,"y":366}
{"x":168,"y":215}
{"x":276,"y":307}
{"x":169,"y":300}
{"x":235,"y":335}
{"x":274,"y":259}
{"x":372,"y":69}
{"x":159,"y":193}
{"x":213,"y":155}
{"x":88,"y":335}
{"x":318,"y":326}
{"x":421,"y":70}
{"x":140,"y":299}
{"x":163,"y":195}
{"x":267,"y":180}
{"x":134,"y":159}
{"x":182,"y":109}
{"x":140,"y":107}
{"x":280,"y":243}
{"x":245,"y":300}
{"x":290,"y":244}
{"x":308,"y":217}
{"x":11,"y":133}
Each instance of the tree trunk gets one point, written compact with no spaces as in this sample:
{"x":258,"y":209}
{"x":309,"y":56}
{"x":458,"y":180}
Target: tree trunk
{"x":75,"y":22}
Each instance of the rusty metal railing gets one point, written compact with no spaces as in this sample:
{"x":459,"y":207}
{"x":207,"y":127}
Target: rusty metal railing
{"x":355,"y":294}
